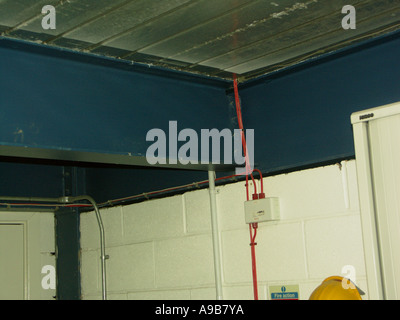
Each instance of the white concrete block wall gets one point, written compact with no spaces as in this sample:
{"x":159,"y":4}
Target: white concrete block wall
{"x":162,"y":249}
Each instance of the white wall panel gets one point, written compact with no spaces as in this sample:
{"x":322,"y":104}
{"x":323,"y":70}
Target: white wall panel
{"x":377,"y":140}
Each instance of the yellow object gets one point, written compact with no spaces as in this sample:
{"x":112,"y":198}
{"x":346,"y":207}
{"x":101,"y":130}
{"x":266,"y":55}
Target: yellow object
{"x":336,"y":288}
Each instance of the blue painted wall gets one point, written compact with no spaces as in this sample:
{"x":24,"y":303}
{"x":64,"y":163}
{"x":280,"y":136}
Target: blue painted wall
{"x":301,"y":116}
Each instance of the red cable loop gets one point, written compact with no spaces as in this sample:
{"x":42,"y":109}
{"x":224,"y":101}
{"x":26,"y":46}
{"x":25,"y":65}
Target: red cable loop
{"x":261,"y":194}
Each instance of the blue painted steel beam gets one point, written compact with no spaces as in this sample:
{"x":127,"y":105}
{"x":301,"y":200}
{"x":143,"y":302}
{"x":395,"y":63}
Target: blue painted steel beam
{"x":55,"y":105}
{"x":301,"y":115}
{"x":30,"y":180}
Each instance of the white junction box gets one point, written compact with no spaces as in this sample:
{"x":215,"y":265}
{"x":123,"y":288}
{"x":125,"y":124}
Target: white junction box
{"x":262,"y":210}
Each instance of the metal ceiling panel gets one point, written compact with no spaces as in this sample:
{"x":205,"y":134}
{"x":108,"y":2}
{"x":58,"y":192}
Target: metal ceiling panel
{"x":226,"y":50}
{"x":122,"y":19}
{"x":311,"y":37}
{"x":225,"y":26}
{"x":15,"y":12}
{"x":320,"y":31}
{"x":71,"y":14}
{"x":169,"y":26}
{"x":209,"y":37}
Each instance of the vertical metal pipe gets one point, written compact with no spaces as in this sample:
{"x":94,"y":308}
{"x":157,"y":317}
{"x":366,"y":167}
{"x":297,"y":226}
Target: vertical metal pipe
{"x":103,"y":255}
{"x":215,"y":234}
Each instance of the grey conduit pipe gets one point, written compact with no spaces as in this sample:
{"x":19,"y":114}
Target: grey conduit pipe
{"x":215,"y":234}
{"x":66,"y":200}
{"x":103,"y":255}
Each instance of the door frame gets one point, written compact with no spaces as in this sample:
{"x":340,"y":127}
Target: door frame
{"x":35,"y":246}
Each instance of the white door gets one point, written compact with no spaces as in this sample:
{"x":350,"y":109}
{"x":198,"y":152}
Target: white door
{"x":12,"y":262}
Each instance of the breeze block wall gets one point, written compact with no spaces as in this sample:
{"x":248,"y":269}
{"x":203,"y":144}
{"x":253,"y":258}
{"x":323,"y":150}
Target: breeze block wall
{"x":162,"y":249}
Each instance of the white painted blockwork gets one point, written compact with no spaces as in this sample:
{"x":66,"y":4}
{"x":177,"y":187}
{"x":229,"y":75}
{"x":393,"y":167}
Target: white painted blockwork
{"x":164,"y":246}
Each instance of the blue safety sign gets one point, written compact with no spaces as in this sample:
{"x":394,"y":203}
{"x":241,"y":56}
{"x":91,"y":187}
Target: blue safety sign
{"x":284,"y":292}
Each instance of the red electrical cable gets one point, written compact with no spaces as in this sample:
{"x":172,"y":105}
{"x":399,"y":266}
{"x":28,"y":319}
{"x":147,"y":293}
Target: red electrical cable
{"x":115,"y":201}
{"x":253,"y":258}
{"x":255,"y":195}
{"x":164,"y":190}
{"x":241,"y":127}
{"x":45,"y":205}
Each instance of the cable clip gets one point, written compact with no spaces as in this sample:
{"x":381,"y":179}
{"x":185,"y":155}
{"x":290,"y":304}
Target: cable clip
{"x":146,"y":196}
{"x":110,"y":203}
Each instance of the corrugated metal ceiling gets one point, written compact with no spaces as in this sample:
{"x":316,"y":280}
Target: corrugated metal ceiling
{"x":210,"y":37}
